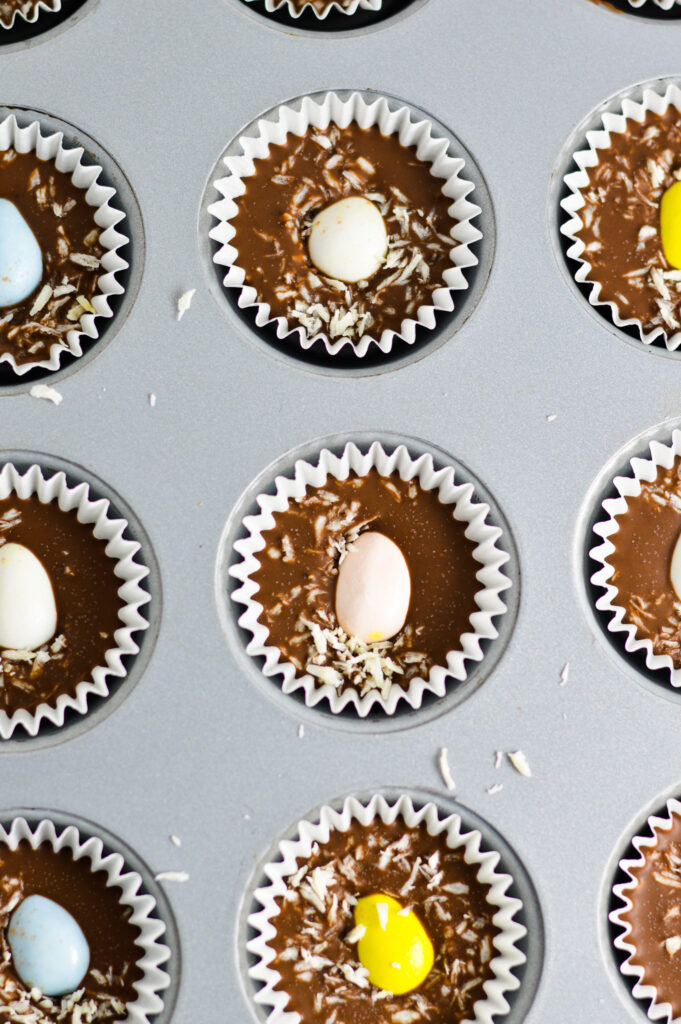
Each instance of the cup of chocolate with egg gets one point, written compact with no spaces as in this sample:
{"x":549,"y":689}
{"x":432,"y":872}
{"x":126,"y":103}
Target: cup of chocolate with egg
{"x":346,"y":224}
{"x":71,"y":599}
{"x":640,"y":558}
{"x":647,"y":914}
{"x":79,"y":938}
{"x":387,"y":913}
{"x":14,"y":11}
{"x":60,"y":264}
{"x":369,"y":578}
{"x":624,"y":213}
{"x":320,"y":8}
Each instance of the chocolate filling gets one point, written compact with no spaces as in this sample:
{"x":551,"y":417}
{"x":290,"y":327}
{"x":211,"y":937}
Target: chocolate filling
{"x":64,"y":226}
{"x":305,"y":175}
{"x":320,"y":969}
{"x":299,"y":566}
{"x":97,"y":908}
{"x":644,"y":544}
{"x":621,"y":219}
{"x":86,"y":593}
{"x":655,"y":917}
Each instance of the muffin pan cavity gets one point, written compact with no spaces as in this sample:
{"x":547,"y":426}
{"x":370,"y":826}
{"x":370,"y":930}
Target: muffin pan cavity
{"x":444,"y":690}
{"x":135,"y":649}
{"x":121,"y":218}
{"x":528,"y":917}
{"x":562,"y":213}
{"x":366,"y":18}
{"x":475,"y":256}
{"x":635,"y":663}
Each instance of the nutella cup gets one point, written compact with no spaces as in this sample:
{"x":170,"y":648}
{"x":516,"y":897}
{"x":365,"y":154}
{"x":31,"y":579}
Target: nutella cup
{"x":507,"y":956}
{"x":102,"y":198}
{"x":129,"y":573}
{"x":26,"y":10}
{"x":321,"y":8}
{"x":614,"y":123}
{"x":490,"y":577}
{"x":153,"y":953}
{"x":643,"y":470}
{"x":331,"y":109}
{"x":625,"y":939}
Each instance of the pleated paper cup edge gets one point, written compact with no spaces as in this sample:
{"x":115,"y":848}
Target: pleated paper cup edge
{"x":29,"y":139}
{"x":508,"y":957}
{"x":354,"y":109}
{"x":630,"y":486}
{"x":488,"y":598}
{"x":272,"y":6}
{"x":153,"y":953}
{"x":30,"y":17}
{"x":129,"y":573}
{"x":635,"y":974}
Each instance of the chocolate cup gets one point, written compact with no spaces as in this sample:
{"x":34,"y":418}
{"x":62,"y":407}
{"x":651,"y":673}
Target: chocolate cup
{"x":511,"y":932}
{"x":31,"y":16}
{"x":433,"y":151}
{"x":51,"y":147}
{"x":130,"y":572}
{"x":613,"y":122}
{"x":490,"y":575}
{"x":661,"y":455}
{"x":153,"y":953}
{"x":657,"y":1010}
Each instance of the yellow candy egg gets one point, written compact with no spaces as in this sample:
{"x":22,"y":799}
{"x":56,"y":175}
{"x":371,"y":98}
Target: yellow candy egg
{"x":394,"y":947}
{"x":670,"y":225}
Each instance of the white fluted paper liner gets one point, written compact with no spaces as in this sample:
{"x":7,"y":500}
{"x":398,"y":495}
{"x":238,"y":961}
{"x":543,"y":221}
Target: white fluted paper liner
{"x":642,"y":470}
{"x":508,"y":955}
{"x":464,"y":508}
{"x":125,"y":567}
{"x":30,"y":12}
{"x":153,"y":953}
{"x":613,"y":123}
{"x":429,"y":149}
{"x":51,"y":147}
{"x":666,"y":5}
{"x":642,"y":845}
{"x":271,"y":6}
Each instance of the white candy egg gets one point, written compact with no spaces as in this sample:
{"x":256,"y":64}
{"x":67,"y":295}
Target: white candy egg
{"x":373,"y":589}
{"x":28,"y":610}
{"x":349,"y":240}
{"x":21,"y":261}
{"x":675,"y":568}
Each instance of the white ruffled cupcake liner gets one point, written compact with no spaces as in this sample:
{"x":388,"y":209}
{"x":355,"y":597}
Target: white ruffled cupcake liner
{"x":613,"y":123}
{"x":51,"y":148}
{"x":130,"y":572}
{"x":153,"y":953}
{"x":429,"y":149}
{"x":464,"y":508}
{"x":31,"y":13}
{"x":263,"y":922}
{"x":665,"y":5}
{"x":642,"y":844}
{"x":643,"y":470}
{"x":272,"y":6}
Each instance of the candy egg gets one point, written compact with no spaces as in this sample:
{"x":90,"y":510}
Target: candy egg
{"x":373,"y":589}
{"x":49,"y":950}
{"x":670,"y":225}
{"x":28,"y":610}
{"x":395,"y":948}
{"x":675,"y":565}
{"x":348,"y":240}
{"x":21,"y":261}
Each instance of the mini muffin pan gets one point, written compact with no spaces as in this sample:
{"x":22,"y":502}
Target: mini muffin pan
{"x":522,"y":390}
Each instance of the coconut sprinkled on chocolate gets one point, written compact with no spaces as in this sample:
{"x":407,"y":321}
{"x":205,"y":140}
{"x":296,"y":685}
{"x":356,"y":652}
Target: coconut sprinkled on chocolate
{"x":64,"y":226}
{"x":621,"y":221}
{"x":316,"y":936}
{"x":308,"y":174}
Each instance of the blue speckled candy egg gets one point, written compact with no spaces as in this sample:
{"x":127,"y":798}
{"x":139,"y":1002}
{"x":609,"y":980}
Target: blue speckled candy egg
{"x":21,"y":261}
{"x":49,"y":950}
